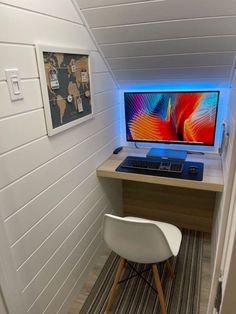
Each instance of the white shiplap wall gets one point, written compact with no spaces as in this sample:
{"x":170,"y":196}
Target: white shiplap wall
{"x":165,"y":41}
{"x":224,"y":212}
{"x":51,"y":201}
{"x":2,"y":305}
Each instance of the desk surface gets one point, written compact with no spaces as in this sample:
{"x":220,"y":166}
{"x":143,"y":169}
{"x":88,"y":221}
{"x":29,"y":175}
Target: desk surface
{"x":212,"y":176}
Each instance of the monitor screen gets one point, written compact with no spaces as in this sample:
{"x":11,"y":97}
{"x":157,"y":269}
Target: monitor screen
{"x":171,"y":117}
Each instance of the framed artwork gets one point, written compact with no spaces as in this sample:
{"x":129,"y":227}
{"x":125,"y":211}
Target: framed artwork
{"x":65,"y":77}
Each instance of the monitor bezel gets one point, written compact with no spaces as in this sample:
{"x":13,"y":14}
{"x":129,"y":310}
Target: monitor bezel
{"x":173,"y":142}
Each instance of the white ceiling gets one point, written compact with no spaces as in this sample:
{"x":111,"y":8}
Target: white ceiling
{"x":153,"y":41}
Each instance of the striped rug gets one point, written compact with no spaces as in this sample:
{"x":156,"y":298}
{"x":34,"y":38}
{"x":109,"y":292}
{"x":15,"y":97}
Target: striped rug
{"x":135,"y":296}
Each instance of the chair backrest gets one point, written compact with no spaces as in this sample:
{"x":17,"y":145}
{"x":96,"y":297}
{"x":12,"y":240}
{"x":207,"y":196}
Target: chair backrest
{"x":137,"y":241}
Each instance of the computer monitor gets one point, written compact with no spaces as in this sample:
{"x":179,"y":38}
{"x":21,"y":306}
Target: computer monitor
{"x":171,"y":117}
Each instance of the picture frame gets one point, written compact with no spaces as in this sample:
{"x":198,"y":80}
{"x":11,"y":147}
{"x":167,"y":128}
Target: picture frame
{"x":65,"y":77}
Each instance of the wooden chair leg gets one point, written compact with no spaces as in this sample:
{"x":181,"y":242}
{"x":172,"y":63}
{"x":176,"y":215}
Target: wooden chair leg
{"x":169,"y":269}
{"x":159,"y":288}
{"x":119,"y":274}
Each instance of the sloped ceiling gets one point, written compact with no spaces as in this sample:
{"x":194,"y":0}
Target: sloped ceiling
{"x":150,"y":41}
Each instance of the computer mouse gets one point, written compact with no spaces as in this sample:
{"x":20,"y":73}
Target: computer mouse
{"x":117,"y":150}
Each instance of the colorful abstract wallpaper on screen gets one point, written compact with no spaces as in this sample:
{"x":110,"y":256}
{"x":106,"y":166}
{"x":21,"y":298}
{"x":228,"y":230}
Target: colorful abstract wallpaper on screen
{"x":182,"y":117}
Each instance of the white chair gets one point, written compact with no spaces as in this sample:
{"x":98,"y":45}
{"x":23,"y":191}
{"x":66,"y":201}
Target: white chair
{"x":141,"y":241}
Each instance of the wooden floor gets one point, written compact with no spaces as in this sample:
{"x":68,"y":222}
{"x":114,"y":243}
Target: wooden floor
{"x":205,"y":282}
{"x":84,"y":292}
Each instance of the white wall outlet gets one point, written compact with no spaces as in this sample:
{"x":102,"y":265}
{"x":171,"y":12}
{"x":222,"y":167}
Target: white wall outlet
{"x":14,"y":84}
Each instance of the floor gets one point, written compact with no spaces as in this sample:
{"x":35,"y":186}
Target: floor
{"x":85,"y":290}
{"x":205,"y":282}
{"x":206,"y":274}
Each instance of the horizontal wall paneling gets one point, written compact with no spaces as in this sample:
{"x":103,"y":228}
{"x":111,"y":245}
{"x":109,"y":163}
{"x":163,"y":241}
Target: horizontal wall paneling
{"x":106,"y":100}
{"x":20,"y":57}
{"x":25,"y":218}
{"x":17,"y":195}
{"x":45,"y":149}
{"x":14,"y":135}
{"x":24,"y":247}
{"x":56,"y":8}
{"x":46,"y":30}
{"x":32,"y":98}
{"x":73,"y":282}
{"x":103,"y":82}
{"x":98,"y":64}
{"x":78,"y":208}
{"x":44,"y":298}
{"x":41,"y":280}
{"x":52,"y":202}
{"x":77,"y":282}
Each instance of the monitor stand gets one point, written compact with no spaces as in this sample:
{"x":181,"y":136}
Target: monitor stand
{"x":167,"y":154}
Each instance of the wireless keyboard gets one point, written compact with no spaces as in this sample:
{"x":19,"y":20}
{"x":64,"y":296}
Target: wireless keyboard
{"x":187,"y":170}
{"x":150,"y":164}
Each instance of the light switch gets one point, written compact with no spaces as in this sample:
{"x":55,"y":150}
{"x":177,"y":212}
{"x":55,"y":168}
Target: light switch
{"x":14,"y":84}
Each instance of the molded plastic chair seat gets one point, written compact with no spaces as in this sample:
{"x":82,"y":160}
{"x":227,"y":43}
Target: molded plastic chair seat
{"x":141,"y":241}
{"x":172,"y":233}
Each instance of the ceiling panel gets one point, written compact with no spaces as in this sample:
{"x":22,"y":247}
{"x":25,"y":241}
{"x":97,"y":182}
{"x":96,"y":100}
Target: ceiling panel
{"x":153,"y":11}
{"x":166,"y":30}
{"x":167,"y":47}
{"x":189,"y":60}
{"x":174,"y":84}
{"x":85,"y":4}
{"x":155,"y":40}
{"x":178,"y":73}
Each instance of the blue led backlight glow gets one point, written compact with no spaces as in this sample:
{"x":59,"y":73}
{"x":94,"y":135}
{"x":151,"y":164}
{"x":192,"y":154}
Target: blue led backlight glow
{"x":185,"y":87}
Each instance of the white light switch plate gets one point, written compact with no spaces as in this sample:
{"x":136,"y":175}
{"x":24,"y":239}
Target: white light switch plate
{"x":14,"y":84}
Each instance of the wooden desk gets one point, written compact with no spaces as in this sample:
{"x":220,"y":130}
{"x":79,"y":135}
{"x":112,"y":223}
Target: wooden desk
{"x":186,"y":203}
